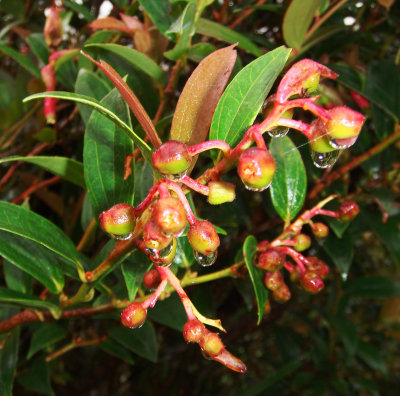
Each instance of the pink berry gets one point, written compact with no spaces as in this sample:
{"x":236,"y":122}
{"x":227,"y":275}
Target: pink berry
{"x":312,"y":282}
{"x":193,"y":330}
{"x":133,"y":315}
{"x":271,"y":260}
{"x":170,"y":215}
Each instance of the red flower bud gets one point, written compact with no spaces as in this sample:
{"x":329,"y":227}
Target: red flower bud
{"x":151,"y":279}
{"x":119,"y":220}
{"x":361,"y":102}
{"x":170,"y":215}
{"x":312,"y":282}
{"x":133,"y":315}
{"x":320,"y":230}
{"x":203,"y":237}
{"x":348,"y":211}
{"x":172,"y":158}
{"x":282,"y":294}
{"x":273,"y":280}
{"x":318,"y":267}
{"x":193,"y":330}
{"x":271,"y":260}
{"x":154,"y":238}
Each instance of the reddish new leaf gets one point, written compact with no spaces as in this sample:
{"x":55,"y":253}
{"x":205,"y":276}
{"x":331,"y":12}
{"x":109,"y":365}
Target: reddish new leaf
{"x":131,"y":99}
{"x":230,"y":361}
{"x":200,"y":96}
{"x":110,"y":23}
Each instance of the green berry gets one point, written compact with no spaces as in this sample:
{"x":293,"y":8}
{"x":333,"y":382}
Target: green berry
{"x":302,"y":242}
{"x":203,"y":237}
{"x":172,"y":158}
{"x":118,"y":220}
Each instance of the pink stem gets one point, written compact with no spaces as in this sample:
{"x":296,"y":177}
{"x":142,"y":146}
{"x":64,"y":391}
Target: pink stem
{"x":295,"y":124}
{"x":167,"y":274}
{"x":163,"y":191}
{"x":290,"y":267}
{"x":330,"y":213}
{"x":209,"y":145}
{"x":296,"y":256}
{"x":194,"y":185}
{"x":151,"y":301}
{"x":147,"y":201}
{"x":258,"y":139}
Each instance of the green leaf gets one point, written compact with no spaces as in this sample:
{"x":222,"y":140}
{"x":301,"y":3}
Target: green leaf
{"x":347,"y":332}
{"x":184,"y":256}
{"x":13,"y":298}
{"x":373,"y":287}
{"x":297,"y":20}
{"x":135,"y":58}
{"x":32,"y":258}
{"x":288,"y":187}
{"x":47,"y":334}
{"x":79,"y":8}
{"x":340,"y":251}
{"x":8,"y":362}
{"x":23,"y":222}
{"x":15,"y":278}
{"x":105,"y":149}
{"x":200,"y":96}
{"x":22,"y":60}
{"x":338,"y":227}
{"x":244,"y":96}
{"x":36,"y":377}
{"x":143,"y":180}
{"x":141,"y":341}
{"x":144,"y":147}
{"x":159,"y":12}
{"x":39,"y":47}
{"x":256,"y":276}
{"x":115,"y":349}
{"x":67,"y":168}
{"x":371,"y":356}
{"x":220,"y":32}
{"x":91,"y":85}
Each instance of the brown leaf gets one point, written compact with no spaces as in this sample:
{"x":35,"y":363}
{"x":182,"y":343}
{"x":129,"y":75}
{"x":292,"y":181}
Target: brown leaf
{"x":200,"y":96}
{"x":230,"y":361}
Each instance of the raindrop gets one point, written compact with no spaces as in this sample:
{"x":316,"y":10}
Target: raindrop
{"x":250,"y":188}
{"x":324,"y":160}
{"x":122,"y":237}
{"x":159,"y":254}
{"x":278,"y":131}
{"x":342,"y":143}
{"x":205,"y":260}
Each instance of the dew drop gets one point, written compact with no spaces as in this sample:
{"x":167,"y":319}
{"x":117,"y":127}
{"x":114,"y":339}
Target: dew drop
{"x":324,"y":160}
{"x":163,"y":257}
{"x":250,"y":188}
{"x":342,"y":143}
{"x":122,"y":237}
{"x":205,"y":260}
{"x":278,"y":131}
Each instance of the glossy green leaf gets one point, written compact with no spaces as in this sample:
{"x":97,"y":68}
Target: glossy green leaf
{"x":337,"y":226}
{"x":256,"y":276}
{"x":36,"y":377}
{"x":135,"y":58}
{"x":297,"y":20}
{"x":13,"y":298}
{"x":288,"y":187}
{"x":80,"y":9}
{"x":184,"y":256}
{"x":159,"y":12}
{"x":200,"y":96}
{"x":340,"y":251}
{"x":372,"y":357}
{"x":47,"y":334}
{"x":244,"y":96}
{"x":22,"y":60}
{"x":17,"y":220}
{"x":144,"y":147}
{"x":141,"y":341}
{"x":373,"y":287}
{"x":105,"y":149}
{"x":223,"y":33}
{"x":143,"y":180}
{"x":91,"y":85}
{"x":67,"y":168}
{"x":15,"y":278}
{"x":8,"y":362}
{"x":115,"y":349}
{"x":32,"y":258}
{"x":39,"y":47}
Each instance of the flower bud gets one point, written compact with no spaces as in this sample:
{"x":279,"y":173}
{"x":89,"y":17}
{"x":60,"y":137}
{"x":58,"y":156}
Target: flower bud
{"x":320,"y":230}
{"x":170,"y":215}
{"x":53,"y":27}
{"x":193,"y":330}
{"x":271,"y":260}
{"x":154,"y":238}
{"x":151,"y":279}
{"x":220,"y":192}
{"x":273,"y":280}
{"x":118,"y":220}
{"x":312,"y":282}
{"x":172,"y":158}
{"x":348,"y":211}
{"x":211,"y":344}
{"x":302,"y":242}
{"x":256,"y":168}
{"x":133,"y":315}
{"x":318,"y":267}
{"x":203,"y":237}
{"x":282,"y":294}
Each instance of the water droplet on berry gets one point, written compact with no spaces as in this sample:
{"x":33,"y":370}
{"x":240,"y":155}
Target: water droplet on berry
{"x":342,"y":143}
{"x":324,"y":160}
{"x":122,"y":237}
{"x":158,"y":256}
{"x":205,"y":260}
{"x":278,"y":131}
{"x":250,"y":188}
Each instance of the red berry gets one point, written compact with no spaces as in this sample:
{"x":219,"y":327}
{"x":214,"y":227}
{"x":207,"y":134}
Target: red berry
{"x":320,"y":230}
{"x":151,"y":279}
{"x":282,"y":294}
{"x":193,"y":330}
{"x":118,"y":220}
{"x":318,"y":267}
{"x":170,"y":215}
{"x":153,"y":237}
{"x":203,"y":237}
{"x":273,"y":280}
{"x":344,"y":123}
{"x":312,"y":282}
{"x":271,"y":260}
{"x":302,"y":242}
{"x":133,"y":315}
{"x":256,"y":168}
{"x":211,"y":344}
{"x":172,"y":158}
{"x":348,"y":211}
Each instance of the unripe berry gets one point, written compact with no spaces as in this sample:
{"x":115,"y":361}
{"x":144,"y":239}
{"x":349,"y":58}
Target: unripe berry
{"x":318,"y":267}
{"x":118,"y":220}
{"x":151,"y":279}
{"x":320,"y":141}
{"x":312,"y":282}
{"x":193,"y":330}
{"x":320,"y":230}
{"x":133,"y":315}
{"x":170,"y":215}
{"x":271,"y":260}
{"x":348,"y":211}
{"x":302,"y":242}
{"x":282,"y":294}
{"x":220,"y":192}
{"x":344,"y":123}
{"x":172,"y":158}
{"x":256,"y":168}
{"x":203,"y":237}
{"x":273,"y":280}
{"x":211,"y":344}
{"x":153,"y":237}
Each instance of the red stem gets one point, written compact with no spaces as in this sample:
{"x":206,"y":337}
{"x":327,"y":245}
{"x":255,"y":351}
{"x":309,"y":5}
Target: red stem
{"x":296,"y":256}
{"x":147,"y":201}
{"x":194,"y":185}
{"x":151,"y":301}
{"x":295,"y":124}
{"x":209,"y":145}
